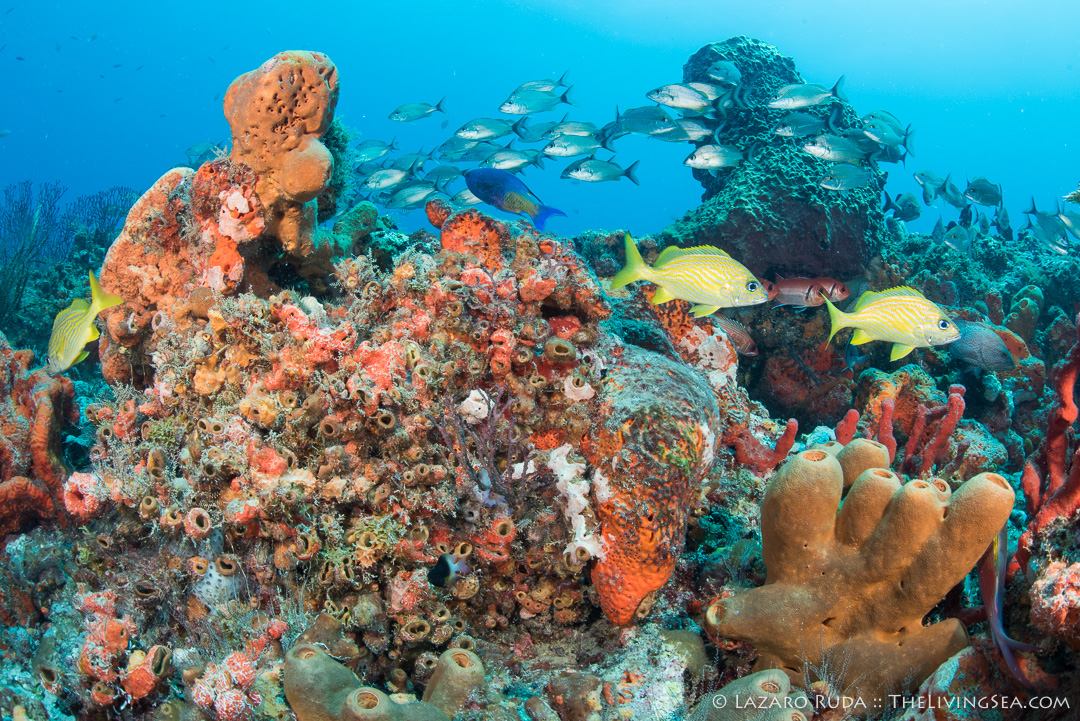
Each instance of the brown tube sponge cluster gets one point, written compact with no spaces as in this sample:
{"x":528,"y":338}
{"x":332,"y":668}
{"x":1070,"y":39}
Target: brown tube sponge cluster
{"x":847,"y":586}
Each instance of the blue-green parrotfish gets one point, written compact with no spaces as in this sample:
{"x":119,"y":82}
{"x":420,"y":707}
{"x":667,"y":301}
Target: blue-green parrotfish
{"x":502,"y":190}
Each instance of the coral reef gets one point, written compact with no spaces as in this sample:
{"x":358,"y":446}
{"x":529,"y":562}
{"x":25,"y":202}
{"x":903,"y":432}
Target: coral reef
{"x":772,"y":215}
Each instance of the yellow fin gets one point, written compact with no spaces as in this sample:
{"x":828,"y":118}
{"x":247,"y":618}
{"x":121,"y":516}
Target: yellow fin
{"x":661,"y":295}
{"x":93,"y":333}
{"x":705,"y":250}
{"x":837,"y":319}
{"x":634,"y":268}
{"x":871,"y":295}
{"x":81,"y":357}
{"x":899,"y":350}
{"x":860,"y":336}
{"x":99,"y":298}
{"x":700,"y":310}
{"x":667,"y":254}
{"x":79,"y":305}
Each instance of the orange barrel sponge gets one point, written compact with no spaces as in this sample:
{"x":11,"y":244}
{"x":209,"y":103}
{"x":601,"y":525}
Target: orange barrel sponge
{"x":854,"y":581}
{"x":277,"y":114}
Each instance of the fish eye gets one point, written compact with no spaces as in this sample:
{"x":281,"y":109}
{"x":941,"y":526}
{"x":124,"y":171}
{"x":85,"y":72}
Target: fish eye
{"x":943,"y":324}
{"x":752,"y":286}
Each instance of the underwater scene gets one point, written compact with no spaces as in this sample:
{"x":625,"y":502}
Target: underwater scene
{"x":540,"y":361}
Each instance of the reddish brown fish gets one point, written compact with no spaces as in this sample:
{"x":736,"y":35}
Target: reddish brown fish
{"x":799,"y":292}
{"x":834,"y":290}
{"x":769,"y":286}
{"x":737,"y":334}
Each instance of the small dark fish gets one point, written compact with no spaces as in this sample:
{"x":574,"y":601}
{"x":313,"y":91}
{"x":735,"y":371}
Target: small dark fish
{"x":502,"y":190}
{"x":938,"y":233}
{"x":981,"y":346}
{"x":984,"y":224}
{"x":983,"y":192}
{"x":844,"y":177}
{"x":724,"y":71}
{"x":1001,"y":222}
{"x":958,"y":238}
{"x":905,"y":207}
{"x":117,"y":100}
{"x":19,"y":57}
{"x":447,"y":570}
{"x":116,"y":66}
{"x":138,"y":68}
{"x":4,"y":133}
{"x":737,"y":334}
{"x":852,"y":357}
{"x":966,"y":216}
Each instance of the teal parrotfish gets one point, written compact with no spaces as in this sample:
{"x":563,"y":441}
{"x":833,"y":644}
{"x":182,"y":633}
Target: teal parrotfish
{"x":705,"y":276}
{"x":502,"y":190}
{"x":74,"y":328}
{"x":901,"y":315}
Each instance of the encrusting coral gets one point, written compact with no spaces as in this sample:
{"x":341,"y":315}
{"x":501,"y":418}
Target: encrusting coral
{"x":848,"y":585}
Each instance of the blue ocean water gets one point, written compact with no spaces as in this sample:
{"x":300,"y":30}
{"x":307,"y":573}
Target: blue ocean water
{"x":113,"y":93}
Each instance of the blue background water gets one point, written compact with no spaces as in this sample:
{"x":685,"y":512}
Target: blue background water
{"x":113,"y":93}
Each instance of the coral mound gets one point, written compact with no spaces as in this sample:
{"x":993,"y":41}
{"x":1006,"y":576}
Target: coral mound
{"x":773,"y":215}
{"x":848,"y":585}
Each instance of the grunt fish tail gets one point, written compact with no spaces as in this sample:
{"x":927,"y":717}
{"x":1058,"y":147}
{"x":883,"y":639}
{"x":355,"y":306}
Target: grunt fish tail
{"x":635,"y":268}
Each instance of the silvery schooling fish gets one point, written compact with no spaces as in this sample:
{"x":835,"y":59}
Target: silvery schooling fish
{"x":415,"y":111}
{"x":502,"y":190}
{"x":705,"y":276}
{"x":592,"y":170}
{"x":901,"y":315}
{"x":74,"y":327}
{"x":793,"y":97}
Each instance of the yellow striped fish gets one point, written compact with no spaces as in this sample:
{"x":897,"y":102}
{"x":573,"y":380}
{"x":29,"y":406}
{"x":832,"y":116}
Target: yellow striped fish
{"x":901,"y":315}
{"x":706,"y":276}
{"x":74,"y":327}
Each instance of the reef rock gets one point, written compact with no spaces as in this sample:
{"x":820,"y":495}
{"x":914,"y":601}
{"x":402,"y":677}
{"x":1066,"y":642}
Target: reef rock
{"x":772,"y":215}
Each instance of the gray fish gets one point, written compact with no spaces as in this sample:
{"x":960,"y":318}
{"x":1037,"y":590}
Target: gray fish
{"x":983,"y":192}
{"x":884,"y":116}
{"x":4,"y":133}
{"x":479,"y":152}
{"x":930,"y":183}
{"x":543,"y":85}
{"x":200,"y":153}
{"x":465,"y":197}
{"x":980,"y":346}
{"x":834,"y":149}
{"x":905,"y":207}
{"x":984,"y":224}
{"x":370,"y":150}
{"x":845,"y":177}
{"x":646,"y":120}
{"x":412,"y":196}
{"x":798,"y":125}
{"x":592,"y":170}
{"x":574,"y":127}
{"x":951,"y":193}
{"x":724,"y":71}
{"x":487,"y":128}
{"x":710,"y":157}
{"x":568,"y":146}
{"x":384,"y":179}
{"x":680,"y":96}
{"x":958,"y":238}
{"x":411,"y":161}
{"x":528,"y":102}
{"x":540,"y":131}
{"x":455,"y":145}
{"x":938,"y":233}
{"x":687,"y":129}
{"x":1049,"y":223}
{"x":1071,"y":221}
{"x":712,"y":93}
{"x":1002,"y":224}
{"x":442,"y":175}
{"x":512,"y":159}
{"x":793,"y":97}
{"x":416,"y":111}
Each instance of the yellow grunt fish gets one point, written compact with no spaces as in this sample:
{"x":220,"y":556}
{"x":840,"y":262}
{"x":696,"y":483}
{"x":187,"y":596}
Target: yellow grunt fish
{"x":901,"y":315}
{"x":704,"y":275}
{"x":74,"y":327}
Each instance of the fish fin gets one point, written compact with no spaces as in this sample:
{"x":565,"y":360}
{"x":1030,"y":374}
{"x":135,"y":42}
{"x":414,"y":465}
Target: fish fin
{"x":100,"y":300}
{"x":566,"y":96}
{"x":899,"y":350}
{"x":81,"y":357}
{"x":859,"y":337}
{"x":80,"y":305}
{"x":666,"y":255}
{"x":701,"y":310}
{"x":706,"y":250}
{"x":629,"y":173}
{"x":633,"y":270}
{"x":870,"y":296}
{"x":93,"y":334}
{"x":440,"y":107}
{"x":837,"y":319}
{"x":561,"y":82}
{"x":838,"y":90}
{"x":662,"y":295}
{"x":544,"y":212}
